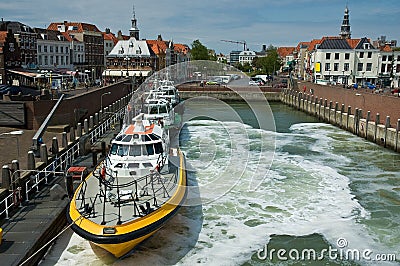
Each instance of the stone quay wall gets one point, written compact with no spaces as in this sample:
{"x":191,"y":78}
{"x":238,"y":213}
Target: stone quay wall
{"x":74,"y":109}
{"x":224,"y":93}
{"x":324,"y":105}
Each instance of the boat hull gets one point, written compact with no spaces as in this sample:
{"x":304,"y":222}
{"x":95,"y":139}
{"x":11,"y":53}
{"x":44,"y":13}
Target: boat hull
{"x":126,"y":236}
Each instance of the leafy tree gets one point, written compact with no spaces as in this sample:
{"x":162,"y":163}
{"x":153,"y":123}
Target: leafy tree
{"x":199,"y":51}
{"x":268,"y":64}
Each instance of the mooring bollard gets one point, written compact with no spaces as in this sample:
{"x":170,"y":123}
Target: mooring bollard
{"x":43,"y":154}
{"x":31,"y":161}
{"x":64,"y":140}
{"x":5,"y":177}
{"x":72,"y":134}
{"x":86,"y":126}
{"x":54,"y":146}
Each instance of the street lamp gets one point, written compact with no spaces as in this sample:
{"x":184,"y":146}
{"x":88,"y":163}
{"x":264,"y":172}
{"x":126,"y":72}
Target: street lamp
{"x":127,"y":63}
{"x":101,"y":99}
{"x":343,"y":78}
{"x":15,"y":133}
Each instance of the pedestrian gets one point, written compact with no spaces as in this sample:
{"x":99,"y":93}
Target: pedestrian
{"x":304,"y":88}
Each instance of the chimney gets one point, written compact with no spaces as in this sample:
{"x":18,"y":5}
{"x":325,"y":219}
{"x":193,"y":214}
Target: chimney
{"x":65,"y":22}
{"x":264,"y":47}
{"x":108,"y":31}
{"x":159,"y":38}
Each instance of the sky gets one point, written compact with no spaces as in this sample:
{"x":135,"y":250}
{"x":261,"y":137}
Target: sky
{"x":258,"y":22}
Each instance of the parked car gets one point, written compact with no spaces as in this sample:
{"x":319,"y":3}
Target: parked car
{"x":254,"y":83}
{"x":369,"y":85}
{"x":213,"y":82}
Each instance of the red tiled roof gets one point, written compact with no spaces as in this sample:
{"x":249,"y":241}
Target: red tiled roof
{"x":353,"y":42}
{"x":157,"y":46}
{"x":285,"y":51}
{"x":313,"y":43}
{"x":302,"y":44}
{"x":3,"y":36}
{"x":110,"y":37}
{"x":181,"y":48}
{"x":81,"y":27}
{"x":386,"y":48}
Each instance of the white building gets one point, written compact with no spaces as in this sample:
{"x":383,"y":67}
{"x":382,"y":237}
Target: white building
{"x":348,"y":61}
{"x":246,"y":57}
{"x":53,"y":50}
{"x":129,"y":58}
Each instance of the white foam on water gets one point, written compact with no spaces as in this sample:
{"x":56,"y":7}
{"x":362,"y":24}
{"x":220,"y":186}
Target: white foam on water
{"x":300,"y":195}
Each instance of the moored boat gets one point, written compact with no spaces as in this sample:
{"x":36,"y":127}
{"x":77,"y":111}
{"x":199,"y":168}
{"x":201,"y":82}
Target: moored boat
{"x":130,"y":195}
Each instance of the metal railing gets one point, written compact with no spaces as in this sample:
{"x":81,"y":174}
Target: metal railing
{"x":60,"y":164}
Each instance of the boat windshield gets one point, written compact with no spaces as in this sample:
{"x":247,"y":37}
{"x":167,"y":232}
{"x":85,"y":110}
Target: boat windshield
{"x":136,"y":150}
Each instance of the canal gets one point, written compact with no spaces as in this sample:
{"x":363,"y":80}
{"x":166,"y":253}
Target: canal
{"x":270,"y":185}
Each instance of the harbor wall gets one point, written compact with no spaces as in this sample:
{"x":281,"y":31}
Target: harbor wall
{"x":76,"y":108}
{"x":382,"y":103}
{"x":225,"y":93}
{"x":381,"y":130}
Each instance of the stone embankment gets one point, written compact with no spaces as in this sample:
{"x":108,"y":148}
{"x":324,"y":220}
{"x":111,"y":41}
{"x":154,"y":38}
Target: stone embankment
{"x":371,"y":116}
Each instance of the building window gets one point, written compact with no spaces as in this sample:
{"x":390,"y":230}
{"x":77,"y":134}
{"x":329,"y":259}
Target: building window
{"x":336,"y":67}
{"x":61,"y":49}
{"x":390,"y":58}
{"x":45,"y":60}
{"x":360,"y":67}
{"x":66,"y":49}
{"x":51,"y":60}
{"x":361,"y":54}
{"x":346,"y":56}
{"x":56,"y":49}
{"x":369,"y":67}
{"x":45,"y":48}
{"x":39,"y":48}
{"x":51,"y":49}
{"x":336,"y":56}
{"x":346,"y":66}
{"x":369,"y":54}
{"x":328,"y":56}
{"x":384,"y":58}
{"x":327,"y":67}
{"x":40,"y":60}
{"x":398,"y":68}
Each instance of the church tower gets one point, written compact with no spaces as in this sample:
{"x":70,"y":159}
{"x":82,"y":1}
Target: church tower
{"x":345,"y":32}
{"x":134,"y":31}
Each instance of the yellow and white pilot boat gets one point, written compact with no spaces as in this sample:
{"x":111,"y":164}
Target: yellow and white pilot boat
{"x":139,"y":186}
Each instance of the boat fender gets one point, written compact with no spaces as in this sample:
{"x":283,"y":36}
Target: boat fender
{"x":103,"y":172}
{"x":16,"y":198}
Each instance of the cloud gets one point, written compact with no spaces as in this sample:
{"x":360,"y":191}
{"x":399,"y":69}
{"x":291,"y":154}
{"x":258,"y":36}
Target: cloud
{"x":283,"y":22}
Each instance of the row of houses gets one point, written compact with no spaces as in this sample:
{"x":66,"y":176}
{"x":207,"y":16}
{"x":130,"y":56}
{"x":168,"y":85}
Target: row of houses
{"x":335,"y":60}
{"x":77,"y":48}
{"x":345,"y":60}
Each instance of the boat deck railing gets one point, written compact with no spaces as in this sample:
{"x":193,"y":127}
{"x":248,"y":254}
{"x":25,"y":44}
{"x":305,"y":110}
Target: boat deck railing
{"x":144,"y":194}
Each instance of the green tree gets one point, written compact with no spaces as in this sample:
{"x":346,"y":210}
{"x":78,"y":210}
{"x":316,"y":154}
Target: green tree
{"x":268,"y":64}
{"x":199,"y":51}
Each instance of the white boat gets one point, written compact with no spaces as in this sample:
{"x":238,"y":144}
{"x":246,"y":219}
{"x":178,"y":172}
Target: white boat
{"x":133,"y":192}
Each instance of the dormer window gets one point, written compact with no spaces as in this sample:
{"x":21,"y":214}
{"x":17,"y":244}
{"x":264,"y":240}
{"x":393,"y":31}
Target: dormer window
{"x":131,"y":44}
{"x":366,"y":46}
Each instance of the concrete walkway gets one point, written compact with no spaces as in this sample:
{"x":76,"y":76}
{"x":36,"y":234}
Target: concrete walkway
{"x":34,"y":222}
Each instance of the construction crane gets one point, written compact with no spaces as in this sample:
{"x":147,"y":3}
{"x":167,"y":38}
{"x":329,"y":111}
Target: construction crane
{"x":238,"y":42}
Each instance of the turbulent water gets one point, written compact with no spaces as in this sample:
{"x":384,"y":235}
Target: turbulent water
{"x":306,"y":185}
